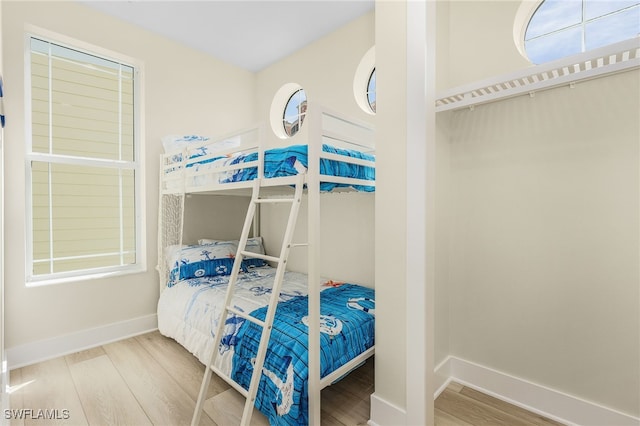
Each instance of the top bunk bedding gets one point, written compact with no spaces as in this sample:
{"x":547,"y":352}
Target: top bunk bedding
{"x":346,"y":160}
{"x":278,"y":162}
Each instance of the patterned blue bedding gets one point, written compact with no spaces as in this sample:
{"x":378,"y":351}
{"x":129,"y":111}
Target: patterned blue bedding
{"x":189,"y":311}
{"x":347,"y":330}
{"x":291,"y":160}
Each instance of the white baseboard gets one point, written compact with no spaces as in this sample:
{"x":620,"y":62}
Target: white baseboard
{"x":538,"y":399}
{"x":42,"y":350}
{"x":442,"y":375}
{"x":4,"y":392}
{"x":385,"y":413}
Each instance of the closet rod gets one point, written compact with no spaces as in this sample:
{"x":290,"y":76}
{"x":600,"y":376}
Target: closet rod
{"x":610,"y":59}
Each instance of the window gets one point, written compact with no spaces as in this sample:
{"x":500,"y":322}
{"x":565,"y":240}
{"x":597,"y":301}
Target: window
{"x":294,"y":112}
{"x":82,"y":164}
{"x":560,"y":28}
{"x":364,"y":82}
{"x":371,"y":91}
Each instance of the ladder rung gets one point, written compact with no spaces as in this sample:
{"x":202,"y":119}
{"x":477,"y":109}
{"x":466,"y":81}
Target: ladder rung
{"x":245,"y":316}
{"x":273,"y":200}
{"x":267,"y":323}
{"x":229,"y":380}
{"x":260,"y":256}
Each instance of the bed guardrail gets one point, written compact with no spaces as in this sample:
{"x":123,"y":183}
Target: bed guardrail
{"x":202,"y":166}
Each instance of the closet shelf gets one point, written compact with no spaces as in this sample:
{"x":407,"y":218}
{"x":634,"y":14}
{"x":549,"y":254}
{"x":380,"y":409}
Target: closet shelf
{"x":610,"y":59}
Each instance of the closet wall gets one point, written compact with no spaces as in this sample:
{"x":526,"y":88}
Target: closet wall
{"x":544,"y":239}
{"x":211,"y":101}
{"x":325,"y":69}
{"x":542,"y":203}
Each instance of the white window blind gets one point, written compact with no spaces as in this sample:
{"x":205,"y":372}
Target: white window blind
{"x":82,"y":163}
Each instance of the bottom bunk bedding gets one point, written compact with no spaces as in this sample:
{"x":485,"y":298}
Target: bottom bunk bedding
{"x":188,"y":312}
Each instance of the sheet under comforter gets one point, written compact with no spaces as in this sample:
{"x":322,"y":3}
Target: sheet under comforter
{"x":189,"y":310}
{"x":287,"y":161}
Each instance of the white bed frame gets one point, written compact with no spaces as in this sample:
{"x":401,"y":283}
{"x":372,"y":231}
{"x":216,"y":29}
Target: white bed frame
{"x":322,"y":127}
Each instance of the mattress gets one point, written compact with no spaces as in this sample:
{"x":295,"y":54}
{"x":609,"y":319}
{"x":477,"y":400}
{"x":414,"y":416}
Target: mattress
{"x":189,"y":310}
{"x":280,"y":162}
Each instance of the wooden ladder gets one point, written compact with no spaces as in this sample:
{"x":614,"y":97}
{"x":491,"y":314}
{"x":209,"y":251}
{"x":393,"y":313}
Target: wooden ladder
{"x":267,"y":324}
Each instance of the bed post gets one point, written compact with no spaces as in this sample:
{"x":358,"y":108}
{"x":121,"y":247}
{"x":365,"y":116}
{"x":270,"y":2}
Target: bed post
{"x":313,"y":212}
{"x":262,"y":147}
{"x":170,"y":224}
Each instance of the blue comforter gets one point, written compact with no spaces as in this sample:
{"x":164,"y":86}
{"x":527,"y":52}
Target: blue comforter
{"x":288,"y":161}
{"x":347,"y":330}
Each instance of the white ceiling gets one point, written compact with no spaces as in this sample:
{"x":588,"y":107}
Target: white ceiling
{"x":249,"y":34}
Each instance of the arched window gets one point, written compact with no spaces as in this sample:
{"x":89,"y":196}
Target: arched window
{"x":560,"y":28}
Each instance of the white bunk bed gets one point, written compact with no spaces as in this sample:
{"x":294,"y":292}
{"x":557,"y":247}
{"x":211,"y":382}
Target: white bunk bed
{"x":337,"y":155}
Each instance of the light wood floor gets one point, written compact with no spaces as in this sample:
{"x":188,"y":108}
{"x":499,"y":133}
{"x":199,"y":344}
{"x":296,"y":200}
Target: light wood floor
{"x":150,"y":379}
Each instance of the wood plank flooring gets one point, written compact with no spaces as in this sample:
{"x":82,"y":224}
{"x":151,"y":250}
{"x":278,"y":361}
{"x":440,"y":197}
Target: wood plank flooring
{"x":152,"y":380}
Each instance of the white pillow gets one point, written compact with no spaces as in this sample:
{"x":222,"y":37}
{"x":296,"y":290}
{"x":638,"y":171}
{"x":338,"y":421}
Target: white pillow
{"x":173,"y":143}
{"x":254,"y":245}
{"x":177,"y":143}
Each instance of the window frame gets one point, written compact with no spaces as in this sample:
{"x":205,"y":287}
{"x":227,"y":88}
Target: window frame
{"x":300,"y":115}
{"x":362,"y":78}
{"x":525,"y":14}
{"x":137,"y":164}
{"x":368,"y":91}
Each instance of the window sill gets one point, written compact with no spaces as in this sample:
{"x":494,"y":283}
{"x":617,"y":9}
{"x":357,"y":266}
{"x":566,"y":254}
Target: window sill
{"x":54,"y":280}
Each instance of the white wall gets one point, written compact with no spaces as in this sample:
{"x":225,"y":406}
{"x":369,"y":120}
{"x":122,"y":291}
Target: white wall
{"x":442,"y":347}
{"x":213,"y":99}
{"x":544,"y":242}
{"x":218,"y":217}
{"x":442,"y":312}
{"x":347,"y":241}
{"x":543,"y":275}
{"x":480,"y":39}
{"x":325,"y":69}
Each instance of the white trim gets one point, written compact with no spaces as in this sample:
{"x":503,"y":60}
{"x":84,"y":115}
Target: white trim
{"x":278,"y":105}
{"x":89,"y":274}
{"x":4,"y":394}
{"x":521,"y":21}
{"x":75,"y":44}
{"x":533,"y":397}
{"x":42,"y":350}
{"x":442,"y":375}
{"x":137,"y":165}
{"x":386,"y":413}
{"x":361,"y":80}
{"x":420,"y":195}
{"x":4,"y":379}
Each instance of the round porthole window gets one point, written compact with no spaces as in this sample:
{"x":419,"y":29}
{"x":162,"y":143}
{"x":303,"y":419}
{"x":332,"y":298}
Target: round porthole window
{"x":371,"y":91}
{"x":294,"y":112}
{"x":364,"y":82}
{"x":288,"y":110}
